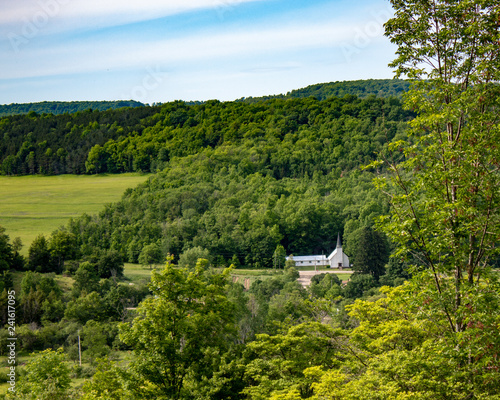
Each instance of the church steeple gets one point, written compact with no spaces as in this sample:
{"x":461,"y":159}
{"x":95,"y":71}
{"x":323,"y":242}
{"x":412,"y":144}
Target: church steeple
{"x":339,"y":243}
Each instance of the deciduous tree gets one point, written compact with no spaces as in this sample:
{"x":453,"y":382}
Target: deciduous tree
{"x":180,"y":331}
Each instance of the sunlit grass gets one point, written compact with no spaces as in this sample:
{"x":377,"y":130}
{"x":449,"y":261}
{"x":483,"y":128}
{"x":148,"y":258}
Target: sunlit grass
{"x":34,"y":205}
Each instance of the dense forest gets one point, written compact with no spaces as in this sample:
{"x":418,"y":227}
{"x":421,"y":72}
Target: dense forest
{"x":64,"y":107}
{"x":361,"y":88}
{"x":239,"y":180}
{"x":50,"y":144}
{"x":89,"y":141}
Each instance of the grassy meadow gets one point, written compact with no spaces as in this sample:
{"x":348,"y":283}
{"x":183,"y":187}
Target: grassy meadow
{"x":33,"y":205}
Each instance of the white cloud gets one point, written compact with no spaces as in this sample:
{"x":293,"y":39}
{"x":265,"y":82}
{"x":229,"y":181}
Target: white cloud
{"x":110,"y":54}
{"x":259,"y":53}
{"x":104,"y":12}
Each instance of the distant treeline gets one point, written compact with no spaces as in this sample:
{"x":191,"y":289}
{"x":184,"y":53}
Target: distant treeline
{"x":145,"y":138}
{"x":64,"y":107}
{"x":59,"y":144}
{"x":360,"y":88}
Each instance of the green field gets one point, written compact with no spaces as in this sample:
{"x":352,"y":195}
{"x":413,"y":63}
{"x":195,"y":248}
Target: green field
{"x":33,"y":205}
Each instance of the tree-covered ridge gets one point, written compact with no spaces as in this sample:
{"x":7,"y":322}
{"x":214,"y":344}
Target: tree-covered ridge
{"x":144,"y":138}
{"x":64,"y":107}
{"x":57,"y":144}
{"x":359,"y":88}
{"x":41,"y":142}
{"x":240,"y":179}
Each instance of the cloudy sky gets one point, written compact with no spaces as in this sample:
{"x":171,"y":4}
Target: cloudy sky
{"x":163,"y":50}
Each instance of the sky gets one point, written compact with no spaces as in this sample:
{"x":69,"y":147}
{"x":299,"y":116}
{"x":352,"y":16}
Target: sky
{"x":163,"y":50}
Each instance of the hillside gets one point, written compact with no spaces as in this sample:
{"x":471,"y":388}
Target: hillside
{"x":59,"y":144}
{"x":360,"y":88}
{"x":240,"y":179}
{"x":64,"y":107}
{"x":89,"y":141}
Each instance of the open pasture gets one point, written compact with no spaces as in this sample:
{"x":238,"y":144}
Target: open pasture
{"x":33,"y":205}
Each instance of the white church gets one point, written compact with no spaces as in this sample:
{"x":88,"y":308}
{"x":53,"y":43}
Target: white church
{"x":338,"y":259}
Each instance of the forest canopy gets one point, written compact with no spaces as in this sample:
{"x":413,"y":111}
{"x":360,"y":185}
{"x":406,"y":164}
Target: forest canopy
{"x":143,"y":138}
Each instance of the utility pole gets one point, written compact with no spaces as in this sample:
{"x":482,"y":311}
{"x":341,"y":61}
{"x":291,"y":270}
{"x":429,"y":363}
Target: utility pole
{"x":79,"y":349}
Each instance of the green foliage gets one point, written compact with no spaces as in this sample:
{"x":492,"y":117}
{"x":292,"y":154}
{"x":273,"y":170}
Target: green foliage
{"x":249,"y":184}
{"x":362,"y":89}
{"x":106,"y":384}
{"x":370,"y":251}
{"x":62,"y":246}
{"x":39,"y":256}
{"x":358,"y":285}
{"x":325,"y":286}
{"x":279,"y":256}
{"x":146,"y":138}
{"x":95,"y":340}
{"x":40,"y":297}
{"x":63,"y":107}
{"x":46,"y":377}
{"x":180,"y":332}
{"x":9,"y":253}
{"x":398,"y":351}
{"x":150,"y":254}
{"x":86,"y":279}
{"x":87,"y":307}
{"x":190,"y":257}
{"x":57,"y":144}
{"x":443,"y":194}
{"x":110,"y":264}
{"x":276,"y":363}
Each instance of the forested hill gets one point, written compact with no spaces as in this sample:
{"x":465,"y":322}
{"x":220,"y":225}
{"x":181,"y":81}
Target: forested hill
{"x":58,"y":144}
{"x":63,"y":107}
{"x":360,"y":88}
{"x":145,"y":138}
{"x":238,"y":179}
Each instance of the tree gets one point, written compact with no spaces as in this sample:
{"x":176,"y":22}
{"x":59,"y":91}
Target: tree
{"x":86,"y":279}
{"x":96,"y":160}
{"x":276,"y":363}
{"x":39,"y":257}
{"x":6,"y":254}
{"x":180,"y":331}
{"x":17,"y":259}
{"x":190,"y":257}
{"x":94,"y":340}
{"x":445,"y":202}
{"x":36,"y":290}
{"x":325,"y":285}
{"x":370,"y":251}
{"x":46,"y":377}
{"x":358,"y":284}
{"x":110,"y":264}
{"x":150,"y":254}
{"x":106,"y":383}
{"x":396,"y":353}
{"x":444,"y":193}
{"x":62,"y":246}
{"x":86,"y":308}
{"x":279,"y":257}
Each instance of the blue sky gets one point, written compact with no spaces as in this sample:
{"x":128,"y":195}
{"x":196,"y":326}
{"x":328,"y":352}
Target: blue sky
{"x":163,"y":50}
